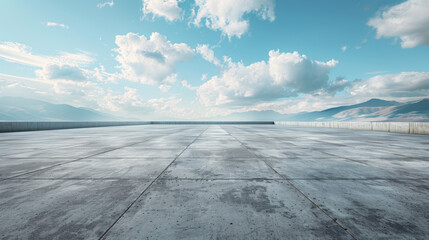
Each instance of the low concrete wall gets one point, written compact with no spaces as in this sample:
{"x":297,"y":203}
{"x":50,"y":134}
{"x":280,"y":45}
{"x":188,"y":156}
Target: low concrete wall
{"x":36,"y":126}
{"x":397,"y":127}
{"x":212,"y":122}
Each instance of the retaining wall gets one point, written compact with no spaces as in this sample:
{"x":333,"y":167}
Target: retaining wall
{"x":35,"y":126}
{"x":397,"y":127}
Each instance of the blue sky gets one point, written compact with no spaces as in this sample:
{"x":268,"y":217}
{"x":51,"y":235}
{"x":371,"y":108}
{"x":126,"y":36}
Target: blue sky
{"x":193,"y":59}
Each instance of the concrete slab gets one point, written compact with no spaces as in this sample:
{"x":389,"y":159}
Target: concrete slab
{"x":226,"y":181}
{"x":231,"y":209}
{"x":133,"y":152}
{"x":57,"y":209}
{"x":203,"y":168}
{"x":11,"y":167}
{"x":375,"y":209}
{"x":107,"y":168}
{"x":328,"y":168}
{"x":240,"y":152}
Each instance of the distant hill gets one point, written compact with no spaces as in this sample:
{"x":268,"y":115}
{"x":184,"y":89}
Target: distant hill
{"x":251,"y":116}
{"x":372,"y":110}
{"x":25,"y":109}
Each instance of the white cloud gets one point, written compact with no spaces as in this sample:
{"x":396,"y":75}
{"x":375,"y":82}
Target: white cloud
{"x":67,"y":72}
{"x":204,"y":77}
{"x":409,"y":21}
{"x":168,"y":9}
{"x":207,"y":54}
{"x":118,"y":102}
{"x":150,"y":61}
{"x":164,"y":87}
{"x":54,"y":24}
{"x":405,"y":84}
{"x":102,"y":75}
{"x":54,"y":70}
{"x":284,"y":75}
{"x":297,"y":72}
{"x":102,"y":5}
{"x":188,"y":86}
{"x":228,"y":16}
{"x":343,"y":48}
{"x":171,"y":107}
{"x":21,"y":53}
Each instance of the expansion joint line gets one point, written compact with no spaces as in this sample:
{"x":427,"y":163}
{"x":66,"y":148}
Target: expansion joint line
{"x":59,"y":164}
{"x":363,"y":163}
{"x":150,"y":184}
{"x":295,"y":187}
{"x":79,"y":159}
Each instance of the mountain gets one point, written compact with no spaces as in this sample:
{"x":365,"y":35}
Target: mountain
{"x":251,"y":116}
{"x":25,"y":109}
{"x":372,"y":110}
{"x":346,"y":113}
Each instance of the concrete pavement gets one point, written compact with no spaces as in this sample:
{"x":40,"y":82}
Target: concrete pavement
{"x":213,"y":182}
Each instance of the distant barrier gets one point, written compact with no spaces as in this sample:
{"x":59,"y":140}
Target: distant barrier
{"x":36,"y":126}
{"x":396,"y":127}
{"x":212,"y":122}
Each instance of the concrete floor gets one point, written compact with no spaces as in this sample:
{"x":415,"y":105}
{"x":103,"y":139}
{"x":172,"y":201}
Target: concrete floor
{"x":213,"y":182}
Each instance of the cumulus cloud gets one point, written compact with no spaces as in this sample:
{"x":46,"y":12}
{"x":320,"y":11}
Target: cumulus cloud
{"x":102,"y":75}
{"x":409,"y":21}
{"x":54,"y":24}
{"x":343,"y":48}
{"x":67,"y":72}
{"x":228,"y":16}
{"x":116,"y":102}
{"x":150,"y":61}
{"x":102,"y":5}
{"x":168,"y":9}
{"x":188,"y":86}
{"x":297,"y":72}
{"x":164,"y":87}
{"x":405,"y":84}
{"x":207,"y":54}
{"x":284,"y":75}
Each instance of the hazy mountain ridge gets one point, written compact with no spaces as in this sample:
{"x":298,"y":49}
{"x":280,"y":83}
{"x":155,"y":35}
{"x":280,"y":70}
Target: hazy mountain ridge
{"x":23,"y":109}
{"x":371,"y":110}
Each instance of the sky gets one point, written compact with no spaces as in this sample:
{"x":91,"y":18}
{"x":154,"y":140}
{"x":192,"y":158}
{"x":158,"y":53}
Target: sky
{"x":197,"y":59}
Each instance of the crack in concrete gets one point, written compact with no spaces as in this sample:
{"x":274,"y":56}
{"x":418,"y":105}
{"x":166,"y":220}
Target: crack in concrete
{"x":149,"y":185}
{"x":295,"y":187}
{"x":82,"y":158}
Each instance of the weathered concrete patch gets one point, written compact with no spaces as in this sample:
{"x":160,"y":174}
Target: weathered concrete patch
{"x":98,"y":168}
{"x":375,"y":209}
{"x":224,"y":210}
{"x":206,"y":168}
{"x":57,"y":209}
{"x":11,"y":167}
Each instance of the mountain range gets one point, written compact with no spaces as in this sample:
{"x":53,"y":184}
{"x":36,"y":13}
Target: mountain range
{"x":372,"y":110}
{"x":24,"y":109}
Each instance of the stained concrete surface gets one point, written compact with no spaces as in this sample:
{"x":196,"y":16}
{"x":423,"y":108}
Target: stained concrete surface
{"x":213,"y":182}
